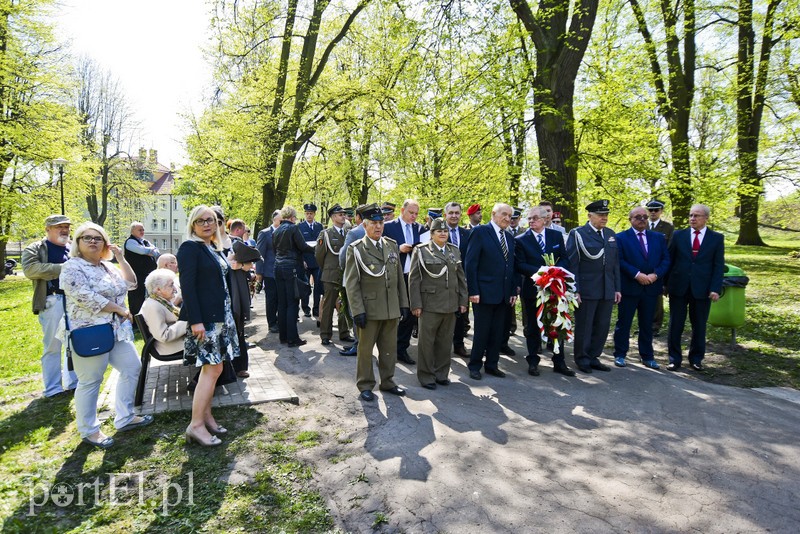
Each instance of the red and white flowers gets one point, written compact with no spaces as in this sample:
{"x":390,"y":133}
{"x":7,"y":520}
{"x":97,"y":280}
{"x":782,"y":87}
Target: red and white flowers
{"x":555,"y":302}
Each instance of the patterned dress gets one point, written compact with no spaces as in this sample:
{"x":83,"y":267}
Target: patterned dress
{"x":221,"y":341}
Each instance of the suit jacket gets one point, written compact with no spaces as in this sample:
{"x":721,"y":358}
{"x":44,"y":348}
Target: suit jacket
{"x":380,"y":297}
{"x":201,"y":283}
{"x":394,"y":230}
{"x":463,"y":239}
{"x":594,"y":279}
{"x":633,"y":261}
{"x":528,"y":257}
{"x":329,"y":244}
{"x":266,"y":268}
{"x":443,"y":294}
{"x":489,"y":275}
{"x":665,"y":228}
{"x":310,"y":234}
{"x":701,"y":274}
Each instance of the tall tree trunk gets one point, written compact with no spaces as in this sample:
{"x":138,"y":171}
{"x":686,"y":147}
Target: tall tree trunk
{"x":750,"y":99}
{"x":560,"y":42}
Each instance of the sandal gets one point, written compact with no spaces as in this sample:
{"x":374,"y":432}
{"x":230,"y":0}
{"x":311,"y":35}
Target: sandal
{"x":144,"y":420}
{"x":104,"y":443}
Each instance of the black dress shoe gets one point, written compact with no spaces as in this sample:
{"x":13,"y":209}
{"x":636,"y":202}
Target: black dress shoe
{"x":444,"y":382}
{"x":307,"y":314}
{"x":508,"y":351}
{"x":461,"y":351}
{"x":600,"y":367}
{"x":367,"y":395}
{"x":673,"y":367}
{"x":318,"y":324}
{"x":347,"y":338}
{"x":298,"y":343}
{"x":564,"y":370}
{"x":274,"y":330}
{"x":697,"y":366}
{"x":326,"y":341}
{"x":475,"y":375}
{"x":432,"y":385}
{"x":349,"y":351}
{"x":495,"y":372}
{"x":397,"y":390}
{"x":533,"y":370}
{"x":585,"y":369}
{"x":405,"y":358}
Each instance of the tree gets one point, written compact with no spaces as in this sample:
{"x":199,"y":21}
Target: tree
{"x":35,"y":126}
{"x":674,"y":92}
{"x":560,"y":41}
{"x":107,"y":128}
{"x":752,"y":73}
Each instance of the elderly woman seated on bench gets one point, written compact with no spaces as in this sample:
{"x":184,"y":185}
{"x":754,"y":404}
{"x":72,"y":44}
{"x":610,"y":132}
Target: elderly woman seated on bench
{"x":160,"y":313}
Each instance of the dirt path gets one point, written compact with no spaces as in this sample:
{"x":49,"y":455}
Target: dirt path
{"x":630,"y":450}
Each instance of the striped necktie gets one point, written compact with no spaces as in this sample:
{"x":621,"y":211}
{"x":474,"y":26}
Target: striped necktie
{"x":541,"y":241}
{"x":503,"y":245}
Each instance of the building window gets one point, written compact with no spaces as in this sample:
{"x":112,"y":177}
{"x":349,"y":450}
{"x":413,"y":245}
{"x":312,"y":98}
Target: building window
{"x":175,"y":204}
{"x":163,"y":204}
{"x":176,"y":245}
{"x":163,"y":225}
{"x":155,"y":225}
{"x":164,"y":244}
{"x":175,"y":224}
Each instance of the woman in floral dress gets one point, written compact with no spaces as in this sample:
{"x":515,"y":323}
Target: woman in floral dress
{"x":205,"y":279}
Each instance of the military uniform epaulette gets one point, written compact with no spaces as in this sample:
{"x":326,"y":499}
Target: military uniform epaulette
{"x":390,"y":240}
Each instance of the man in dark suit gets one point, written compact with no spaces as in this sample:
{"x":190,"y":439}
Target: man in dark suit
{"x":593,"y":259}
{"x":655,"y":208}
{"x":311,"y":230}
{"x":643,"y":263}
{"x":405,"y":231}
{"x":529,"y":250}
{"x":694,"y":281}
{"x":265,"y":270}
{"x":459,"y":237}
{"x":492,"y":286}
{"x":511,"y":311}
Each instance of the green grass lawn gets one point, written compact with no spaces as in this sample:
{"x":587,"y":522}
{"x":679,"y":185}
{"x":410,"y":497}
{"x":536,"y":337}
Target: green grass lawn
{"x":161,"y":484}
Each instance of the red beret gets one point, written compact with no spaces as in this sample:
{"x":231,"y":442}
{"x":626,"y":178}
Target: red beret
{"x":472,"y":209}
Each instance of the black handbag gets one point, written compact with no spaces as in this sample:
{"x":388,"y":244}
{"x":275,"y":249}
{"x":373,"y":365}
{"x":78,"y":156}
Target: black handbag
{"x":90,"y":340}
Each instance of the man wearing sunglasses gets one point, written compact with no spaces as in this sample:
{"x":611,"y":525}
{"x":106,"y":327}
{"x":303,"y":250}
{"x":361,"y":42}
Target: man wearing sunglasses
{"x":643,"y":264}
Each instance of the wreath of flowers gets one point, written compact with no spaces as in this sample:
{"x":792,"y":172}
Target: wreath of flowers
{"x":555,"y":301}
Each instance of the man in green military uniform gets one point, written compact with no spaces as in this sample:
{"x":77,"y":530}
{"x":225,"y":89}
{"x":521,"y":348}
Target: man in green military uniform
{"x":437,"y":291}
{"x":376,"y":291}
{"x":329,"y":243}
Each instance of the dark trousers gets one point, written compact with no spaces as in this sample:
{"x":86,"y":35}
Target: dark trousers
{"x":658,"y":317}
{"x":533,"y":336}
{"x":644,"y":307}
{"x":698,"y":316}
{"x":592,"y":321}
{"x":511,"y":313}
{"x":243,"y":361}
{"x":271,"y":294}
{"x":404,"y":329}
{"x":314,"y":273}
{"x":288,"y":304}
{"x":458,"y":330}
{"x":489,"y":322}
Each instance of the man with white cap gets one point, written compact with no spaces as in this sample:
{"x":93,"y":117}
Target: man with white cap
{"x":41,"y":262}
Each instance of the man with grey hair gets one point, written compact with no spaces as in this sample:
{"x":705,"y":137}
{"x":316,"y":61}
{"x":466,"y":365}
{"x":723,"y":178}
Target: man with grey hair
{"x":142,"y":256}
{"x":41,"y":263}
{"x":492,"y":286}
{"x":593,"y":259}
{"x":694,"y":282}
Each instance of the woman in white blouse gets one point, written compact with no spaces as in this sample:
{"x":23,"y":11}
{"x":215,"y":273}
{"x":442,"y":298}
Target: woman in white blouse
{"x":95,"y":292}
{"x":161,"y":315}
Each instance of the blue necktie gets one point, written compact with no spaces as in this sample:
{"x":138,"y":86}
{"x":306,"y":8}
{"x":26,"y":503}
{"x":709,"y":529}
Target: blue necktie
{"x":541,"y":241}
{"x":454,"y":236}
{"x":409,"y":239}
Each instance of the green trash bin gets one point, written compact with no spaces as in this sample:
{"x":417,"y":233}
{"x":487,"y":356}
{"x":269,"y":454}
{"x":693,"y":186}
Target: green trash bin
{"x":728,"y":311}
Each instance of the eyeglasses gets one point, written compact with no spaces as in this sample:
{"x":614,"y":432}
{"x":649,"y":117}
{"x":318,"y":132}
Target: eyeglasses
{"x":534,"y":218}
{"x":205,"y":222}
{"x":92,"y":238}
{"x":640,"y":217}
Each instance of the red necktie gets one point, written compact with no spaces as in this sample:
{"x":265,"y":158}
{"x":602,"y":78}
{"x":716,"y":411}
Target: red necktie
{"x":696,"y":243}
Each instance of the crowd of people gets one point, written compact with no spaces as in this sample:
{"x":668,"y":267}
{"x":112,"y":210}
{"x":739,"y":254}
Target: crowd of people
{"x":387,"y":278}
